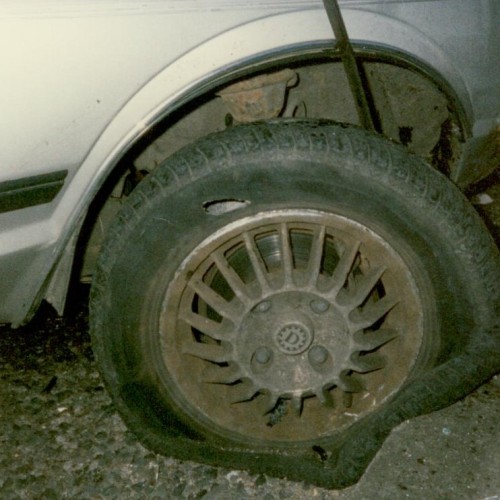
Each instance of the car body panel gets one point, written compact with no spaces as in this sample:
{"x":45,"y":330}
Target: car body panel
{"x":86,"y":79}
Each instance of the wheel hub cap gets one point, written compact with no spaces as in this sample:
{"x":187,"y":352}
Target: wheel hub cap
{"x":289,"y":306}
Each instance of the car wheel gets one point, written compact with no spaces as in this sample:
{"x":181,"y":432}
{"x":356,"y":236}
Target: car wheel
{"x":271,"y":286}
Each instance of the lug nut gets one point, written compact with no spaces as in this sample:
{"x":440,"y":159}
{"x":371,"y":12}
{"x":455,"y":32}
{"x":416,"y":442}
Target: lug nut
{"x":319,"y":306}
{"x":318,"y":355}
{"x":263,"y":306}
{"x":262,"y":355}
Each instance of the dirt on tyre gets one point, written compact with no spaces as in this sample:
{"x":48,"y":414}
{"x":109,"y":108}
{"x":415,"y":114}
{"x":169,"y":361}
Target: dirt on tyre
{"x":278,"y":296}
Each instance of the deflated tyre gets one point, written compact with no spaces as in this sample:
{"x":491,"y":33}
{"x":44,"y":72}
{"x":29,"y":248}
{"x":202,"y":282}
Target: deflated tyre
{"x":271,"y":290}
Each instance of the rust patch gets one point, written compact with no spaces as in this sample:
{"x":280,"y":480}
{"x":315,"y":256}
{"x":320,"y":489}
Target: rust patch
{"x":259,"y":98}
{"x":442,"y":153}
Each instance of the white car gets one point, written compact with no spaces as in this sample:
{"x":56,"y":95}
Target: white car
{"x":264,"y":197}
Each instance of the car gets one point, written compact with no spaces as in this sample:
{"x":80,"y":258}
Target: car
{"x":269,"y":201}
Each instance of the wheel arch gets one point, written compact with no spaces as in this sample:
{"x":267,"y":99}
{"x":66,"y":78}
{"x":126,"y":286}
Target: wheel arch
{"x":282,"y":39}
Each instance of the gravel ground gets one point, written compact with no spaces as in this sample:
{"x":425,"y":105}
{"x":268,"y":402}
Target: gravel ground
{"x":61,"y":438}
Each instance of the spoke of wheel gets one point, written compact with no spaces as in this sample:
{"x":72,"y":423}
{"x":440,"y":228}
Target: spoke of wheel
{"x":208,"y":352}
{"x":349,"y":383}
{"x":325,"y":398}
{"x":286,"y":255}
{"x":372,"y":312}
{"x":368,"y":341}
{"x":347,"y":399}
{"x":343,"y":268}
{"x":214,"y":374}
{"x":297,"y":404}
{"x":214,"y":300}
{"x":316,"y":256}
{"x":231,"y":276}
{"x":271,"y":402}
{"x":368,"y":363}
{"x":207,"y":326}
{"x":243,"y":393}
{"x":258,"y":265}
{"x":364,"y":285}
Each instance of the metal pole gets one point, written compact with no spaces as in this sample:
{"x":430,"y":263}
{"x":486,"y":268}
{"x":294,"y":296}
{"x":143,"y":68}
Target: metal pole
{"x":359,"y":89}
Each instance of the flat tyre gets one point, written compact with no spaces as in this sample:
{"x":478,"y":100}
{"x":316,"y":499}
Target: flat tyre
{"x":270,"y":287}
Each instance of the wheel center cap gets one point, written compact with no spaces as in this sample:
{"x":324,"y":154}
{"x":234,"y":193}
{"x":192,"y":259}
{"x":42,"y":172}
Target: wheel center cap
{"x":293,"y":338}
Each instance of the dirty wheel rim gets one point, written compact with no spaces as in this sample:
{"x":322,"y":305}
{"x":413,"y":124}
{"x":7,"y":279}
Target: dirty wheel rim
{"x":287,"y":326}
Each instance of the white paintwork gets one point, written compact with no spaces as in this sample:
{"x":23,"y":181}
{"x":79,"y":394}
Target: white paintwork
{"x":83,"y":79}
